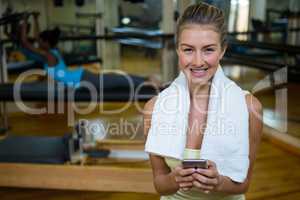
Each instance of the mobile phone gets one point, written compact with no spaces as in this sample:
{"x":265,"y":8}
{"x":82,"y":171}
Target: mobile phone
{"x":194,"y":163}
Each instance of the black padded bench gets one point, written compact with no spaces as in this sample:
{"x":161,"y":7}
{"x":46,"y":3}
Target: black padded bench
{"x":39,"y":91}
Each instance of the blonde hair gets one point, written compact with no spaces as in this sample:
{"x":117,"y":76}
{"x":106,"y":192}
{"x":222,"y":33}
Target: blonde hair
{"x":202,"y":14}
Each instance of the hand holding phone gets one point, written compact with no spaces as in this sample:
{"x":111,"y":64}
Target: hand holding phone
{"x":195,"y":163}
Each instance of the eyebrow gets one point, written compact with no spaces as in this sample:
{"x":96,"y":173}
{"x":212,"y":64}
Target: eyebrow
{"x":209,"y":45}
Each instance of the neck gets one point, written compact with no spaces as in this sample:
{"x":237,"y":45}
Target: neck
{"x":199,"y":92}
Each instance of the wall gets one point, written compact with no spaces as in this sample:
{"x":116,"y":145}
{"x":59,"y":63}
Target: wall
{"x":51,"y":15}
{"x":29,"y":5}
{"x":67,"y":13}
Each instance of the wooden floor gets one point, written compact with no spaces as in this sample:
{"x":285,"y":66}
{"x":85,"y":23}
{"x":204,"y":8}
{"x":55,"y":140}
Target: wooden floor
{"x":276,"y":172}
{"x":276,"y":176}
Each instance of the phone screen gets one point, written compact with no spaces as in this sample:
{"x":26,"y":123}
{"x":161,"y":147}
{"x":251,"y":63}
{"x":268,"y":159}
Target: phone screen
{"x":195,"y":163}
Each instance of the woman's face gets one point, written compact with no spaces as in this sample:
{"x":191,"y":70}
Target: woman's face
{"x":199,"y":52}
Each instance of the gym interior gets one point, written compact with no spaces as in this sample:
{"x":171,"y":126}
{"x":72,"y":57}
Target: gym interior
{"x":58,"y":142}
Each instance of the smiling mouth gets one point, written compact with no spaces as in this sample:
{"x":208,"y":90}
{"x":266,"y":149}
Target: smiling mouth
{"x":199,"y":72}
{"x":199,"y":69}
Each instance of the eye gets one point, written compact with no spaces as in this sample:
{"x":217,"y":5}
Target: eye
{"x":187,"y":50}
{"x":210,"y":50}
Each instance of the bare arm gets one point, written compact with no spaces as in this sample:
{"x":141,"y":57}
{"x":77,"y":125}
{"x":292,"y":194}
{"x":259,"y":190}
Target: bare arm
{"x":166,"y":182}
{"x":209,"y":179}
{"x":51,"y":60}
{"x":36,"y":25}
{"x":255,"y":133}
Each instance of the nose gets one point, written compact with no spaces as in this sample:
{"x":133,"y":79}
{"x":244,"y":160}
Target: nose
{"x":198,"y":59}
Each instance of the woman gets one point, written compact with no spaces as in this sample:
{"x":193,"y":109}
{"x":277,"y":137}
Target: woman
{"x":56,"y":68}
{"x":200,"y":43}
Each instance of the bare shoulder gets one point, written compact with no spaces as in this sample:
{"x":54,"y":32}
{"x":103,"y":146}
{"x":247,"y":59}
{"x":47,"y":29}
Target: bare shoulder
{"x":148,"y":108}
{"x":253,"y":104}
{"x":147,"y":112}
{"x":255,"y":118}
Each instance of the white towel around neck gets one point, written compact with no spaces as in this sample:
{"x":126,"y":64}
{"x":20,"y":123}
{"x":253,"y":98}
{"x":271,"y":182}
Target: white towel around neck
{"x":226,"y":137}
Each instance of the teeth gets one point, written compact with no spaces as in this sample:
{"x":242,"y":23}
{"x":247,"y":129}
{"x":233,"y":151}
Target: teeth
{"x":197,"y":69}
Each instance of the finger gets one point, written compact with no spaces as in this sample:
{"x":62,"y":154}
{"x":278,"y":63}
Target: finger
{"x":205,"y":180}
{"x":211,"y":164}
{"x":202,"y":186}
{"x":178,"y":168}
{"x":186,"y":172}
{"x":186,"y":184}
{"x":185,"y":189}
{"x":211,"y":173}
{"x":184,"y":179}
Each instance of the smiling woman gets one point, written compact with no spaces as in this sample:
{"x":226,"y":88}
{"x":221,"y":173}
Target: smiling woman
{"x":199,"y":59}
{"x":189,"y":120}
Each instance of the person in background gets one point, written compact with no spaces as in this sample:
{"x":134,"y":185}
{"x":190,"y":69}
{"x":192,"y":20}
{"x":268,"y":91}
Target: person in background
{"x":56,"y":68}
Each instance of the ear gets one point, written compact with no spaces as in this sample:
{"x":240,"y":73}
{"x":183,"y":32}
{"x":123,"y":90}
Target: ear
{"x":223,"y":51}
{"x":177,"y":51}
